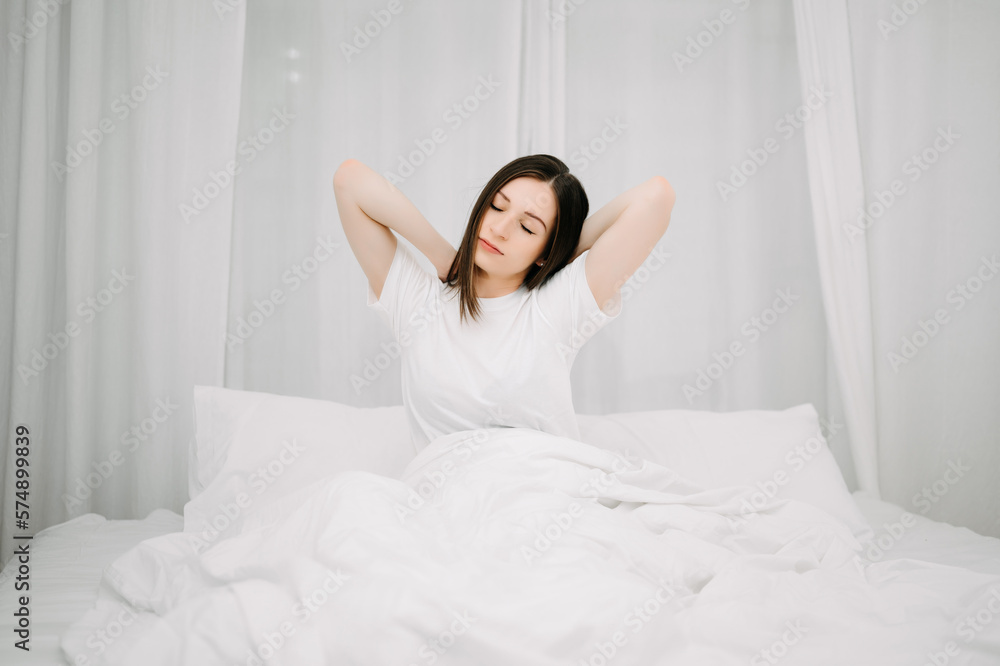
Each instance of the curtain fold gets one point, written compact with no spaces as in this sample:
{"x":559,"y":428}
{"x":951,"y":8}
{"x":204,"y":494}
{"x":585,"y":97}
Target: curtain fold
{"x":835,"y":184}
{"x":386,"y":89}
{"x":168,"y":217}
{"x":116,"y":224}
{"x":542,"y":92}
{"x":728,"y":312}
{"x":927,"y":85}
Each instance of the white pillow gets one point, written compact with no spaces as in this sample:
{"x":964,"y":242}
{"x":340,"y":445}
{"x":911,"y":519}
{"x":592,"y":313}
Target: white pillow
{"x":251,"y":449}
{"x":778,"y":453}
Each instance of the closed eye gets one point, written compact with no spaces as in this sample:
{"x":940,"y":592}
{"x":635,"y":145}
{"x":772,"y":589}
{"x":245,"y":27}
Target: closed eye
{"x":522,"y":226}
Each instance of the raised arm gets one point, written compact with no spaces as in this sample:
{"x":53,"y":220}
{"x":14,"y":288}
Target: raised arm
{"x":622,"y":234}
{"x":369,"y":208}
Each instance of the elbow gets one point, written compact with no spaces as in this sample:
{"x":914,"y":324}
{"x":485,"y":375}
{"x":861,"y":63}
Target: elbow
{"x":661,"y":191}
{"x":342,"y":175}
{"x":662,"y":187}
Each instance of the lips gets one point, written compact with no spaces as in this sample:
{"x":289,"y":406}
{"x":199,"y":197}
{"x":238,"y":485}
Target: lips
{"x":489,"y":248}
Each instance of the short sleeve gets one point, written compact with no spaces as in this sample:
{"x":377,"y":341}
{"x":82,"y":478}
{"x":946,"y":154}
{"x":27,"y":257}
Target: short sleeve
{"x":408,"y":287}
{"x":568,"y":304}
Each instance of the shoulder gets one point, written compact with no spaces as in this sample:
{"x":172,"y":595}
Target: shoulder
{"x":560,"y":293}
{"x":414,"y":265}
{"x":570,"y":281}
{"x":565,"y":275}
{"x":408,"y":285}
{"x":568,"y":303}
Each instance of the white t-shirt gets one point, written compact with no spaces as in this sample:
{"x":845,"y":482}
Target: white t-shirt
{"x":512,"y":368}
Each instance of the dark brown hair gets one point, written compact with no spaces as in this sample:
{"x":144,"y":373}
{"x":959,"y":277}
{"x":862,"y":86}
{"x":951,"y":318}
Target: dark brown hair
{"x":571,"y":210}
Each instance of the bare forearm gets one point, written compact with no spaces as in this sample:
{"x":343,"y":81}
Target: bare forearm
{"x":382,"y":202}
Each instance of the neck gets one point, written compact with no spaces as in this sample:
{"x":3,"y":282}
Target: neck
{"x":493,"y":287}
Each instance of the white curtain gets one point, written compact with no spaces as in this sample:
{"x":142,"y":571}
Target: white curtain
{"x":927,"y":85}
{"x":701,"y":93}
{"x":630,"y":113}
{"x":113,"y":305}
{"x":246,"y":280}
{"x":835,"y":179}
{"x":542,"y":79}
{"x":427,"y":96}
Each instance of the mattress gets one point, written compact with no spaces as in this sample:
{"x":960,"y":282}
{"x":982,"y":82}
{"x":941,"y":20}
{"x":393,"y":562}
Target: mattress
{"x":67,"y":561}
{"x":66,"y":564}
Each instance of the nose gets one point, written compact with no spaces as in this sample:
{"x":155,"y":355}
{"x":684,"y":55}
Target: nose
{"x":498,"y":227}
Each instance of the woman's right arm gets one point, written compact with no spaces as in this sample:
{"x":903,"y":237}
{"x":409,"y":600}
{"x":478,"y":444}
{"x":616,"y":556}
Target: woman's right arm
{"x":369,"y":207}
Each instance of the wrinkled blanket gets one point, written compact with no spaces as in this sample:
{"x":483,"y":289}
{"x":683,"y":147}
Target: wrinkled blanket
{"x":524,"y":548}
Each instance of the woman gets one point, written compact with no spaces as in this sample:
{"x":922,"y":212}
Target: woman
{"x":525,"y":547}
{"x":492,"y":340}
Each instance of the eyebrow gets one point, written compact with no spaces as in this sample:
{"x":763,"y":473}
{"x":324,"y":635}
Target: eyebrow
{"x":527,"y":212}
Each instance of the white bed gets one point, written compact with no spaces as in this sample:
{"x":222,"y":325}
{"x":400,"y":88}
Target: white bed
{"x":236,"y":430}
{"x":67,"y":561}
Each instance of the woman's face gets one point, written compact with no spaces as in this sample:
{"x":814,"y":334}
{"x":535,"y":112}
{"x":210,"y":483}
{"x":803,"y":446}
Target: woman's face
{"x":518,"y":223}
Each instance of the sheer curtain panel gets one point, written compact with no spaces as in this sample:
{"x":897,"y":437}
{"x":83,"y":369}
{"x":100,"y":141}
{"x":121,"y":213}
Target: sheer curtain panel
{"x":118,"y":119}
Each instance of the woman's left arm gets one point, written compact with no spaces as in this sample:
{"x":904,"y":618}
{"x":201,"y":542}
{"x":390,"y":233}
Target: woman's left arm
{"x":622,"y":234}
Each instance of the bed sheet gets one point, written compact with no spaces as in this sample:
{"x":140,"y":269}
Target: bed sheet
{"x":68,"y":560}
{"x":902,"y":534}
{"x":536,"y":549}
{"x":66,"y":564}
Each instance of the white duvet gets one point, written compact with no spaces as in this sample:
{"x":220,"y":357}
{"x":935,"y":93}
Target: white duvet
{"x":526,"y":548}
